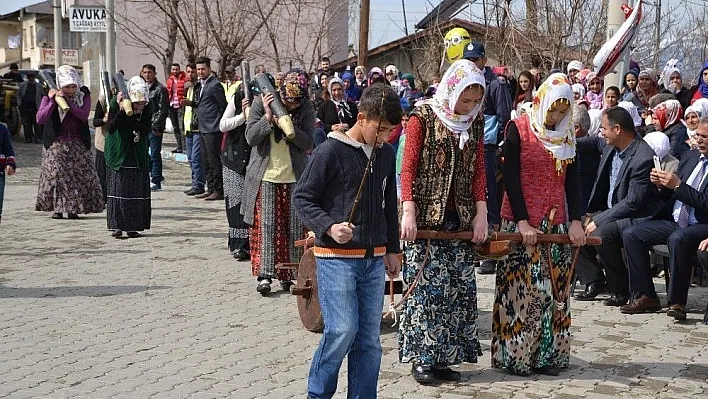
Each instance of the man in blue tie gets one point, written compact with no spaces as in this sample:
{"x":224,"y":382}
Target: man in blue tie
{"x":681,"y":224}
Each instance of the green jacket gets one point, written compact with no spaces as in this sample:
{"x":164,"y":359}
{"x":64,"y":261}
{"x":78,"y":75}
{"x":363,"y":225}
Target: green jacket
{"x":121,"y":149}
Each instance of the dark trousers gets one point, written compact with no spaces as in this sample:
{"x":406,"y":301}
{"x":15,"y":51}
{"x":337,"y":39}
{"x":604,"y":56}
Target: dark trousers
{"x":177,"y":118}
{"x":155,"y":141}
{"x":33,"y":131}
{"x":610,"y":253}
{"x":214,"y":172}
{"x":682,"y":243}
{"x":490,"y":166}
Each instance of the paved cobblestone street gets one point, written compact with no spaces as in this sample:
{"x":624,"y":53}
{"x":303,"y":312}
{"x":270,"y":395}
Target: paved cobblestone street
{"x":172,"y":315}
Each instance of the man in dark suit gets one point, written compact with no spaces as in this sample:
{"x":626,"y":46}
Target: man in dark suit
{"x":621,"y":196}
{"x":681,"y":224}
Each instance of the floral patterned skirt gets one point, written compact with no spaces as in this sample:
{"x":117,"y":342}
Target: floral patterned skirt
{"x":68,"y":182}
{"x":530,"y":329}
{"x":439,"y":321}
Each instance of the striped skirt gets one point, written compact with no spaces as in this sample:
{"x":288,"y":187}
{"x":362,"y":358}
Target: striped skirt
{"x":238,"y":229}
{"x":128,"y":206}
{"x":274,"y":232}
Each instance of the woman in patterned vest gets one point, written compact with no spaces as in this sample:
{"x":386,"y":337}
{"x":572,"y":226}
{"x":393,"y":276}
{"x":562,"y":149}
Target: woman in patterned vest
{"x":443,"y":188}
{"x":531,"y":323}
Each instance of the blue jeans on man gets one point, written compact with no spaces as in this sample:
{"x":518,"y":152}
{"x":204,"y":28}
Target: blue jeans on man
{"x":155,"y":141}
{"x":351,"y":298}
{"x":490,"y":166}
{"x":194,"y":156}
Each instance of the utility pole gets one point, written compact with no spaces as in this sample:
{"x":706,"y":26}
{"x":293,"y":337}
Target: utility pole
{"x":58,"y":49}
{"x":110,"y":37}
{"x":615,"y":19}
{"x":405,"y":20}
{"x":364,"y":33}
{"x":657,"y":35}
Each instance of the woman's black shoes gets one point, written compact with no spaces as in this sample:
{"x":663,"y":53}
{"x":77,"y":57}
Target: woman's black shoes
{"x":446,"y":374}
{"x":422,"y":374}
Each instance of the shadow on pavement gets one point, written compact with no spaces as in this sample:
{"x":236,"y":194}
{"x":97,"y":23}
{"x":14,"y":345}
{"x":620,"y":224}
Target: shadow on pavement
{"x":74,"y":291}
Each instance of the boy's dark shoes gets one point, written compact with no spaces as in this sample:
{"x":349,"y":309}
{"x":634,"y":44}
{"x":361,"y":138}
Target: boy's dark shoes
{"x":57,"y":215}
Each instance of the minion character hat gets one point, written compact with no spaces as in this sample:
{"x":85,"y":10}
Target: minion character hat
{"x":455,"y":41}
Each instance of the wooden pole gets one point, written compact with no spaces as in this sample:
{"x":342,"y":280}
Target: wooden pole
{"x":364,"y":33}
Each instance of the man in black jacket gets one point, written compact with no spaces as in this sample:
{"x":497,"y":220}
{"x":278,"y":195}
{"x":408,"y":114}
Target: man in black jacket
{"x":211,"y":105}
{"x":160,"y":105}
{"x":622,"y":196}
{"x":681,"y":224}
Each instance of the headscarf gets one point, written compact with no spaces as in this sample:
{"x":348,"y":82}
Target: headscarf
{"x":642,"y":95}
{"x":582,"y":76}
{"x":138,"y":90}
{"x":410,"y":78}
{"x":700,"y":108}
{"x":375,"y":70}
{"x":666,"y":77}
{"x":633,"y":112}
{"x":659,"y":142}
{"x":461,"y":75}
{"x":67,"y":75}
{"x":668,"y":113}
{"x":576,"y":64}
{"x":342,"y":106}
{"x":594,"y":99}
{"x":703,"y":85}
{"x":578,"y":89}
{"x":294,"y":86}
{"x":393,"y":69}
{"x":561,"y":141}
{"x":353,"y":93}
{"x":595,"y":121}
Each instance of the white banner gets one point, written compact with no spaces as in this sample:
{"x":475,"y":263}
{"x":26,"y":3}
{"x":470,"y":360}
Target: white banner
{"x":87,"y":19}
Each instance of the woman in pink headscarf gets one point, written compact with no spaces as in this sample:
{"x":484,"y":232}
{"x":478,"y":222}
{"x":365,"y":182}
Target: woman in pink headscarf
{"x":667,"y":118}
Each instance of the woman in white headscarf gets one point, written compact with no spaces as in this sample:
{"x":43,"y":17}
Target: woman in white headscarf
{"x":443,"y":188}
{"x":68,"y":182}
{"x":691,"y":116}
{"x":338,"y":114}
{"x":667,"y":117}
{"x":531,"y":316}
{"x":672,"y":82}
{"x":659,"y":142}
{"x":128,"y":162}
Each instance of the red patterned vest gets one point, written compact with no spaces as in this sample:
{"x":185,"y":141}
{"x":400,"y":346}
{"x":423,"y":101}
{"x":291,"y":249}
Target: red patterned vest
{"x":543,"y":188}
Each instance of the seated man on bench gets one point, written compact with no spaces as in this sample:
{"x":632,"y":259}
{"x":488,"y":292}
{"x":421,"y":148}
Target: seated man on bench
{"x":681,"y":224}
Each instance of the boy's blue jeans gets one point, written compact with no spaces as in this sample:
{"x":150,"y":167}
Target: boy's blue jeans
{"x":2,"y":190}
{"x":351,"y":297}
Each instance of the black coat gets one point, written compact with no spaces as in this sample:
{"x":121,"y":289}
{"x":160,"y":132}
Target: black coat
{"x":634,"y":196}
{"x":327,"y":113}
{"x":698,"y":199}
{"x":159,"y":98}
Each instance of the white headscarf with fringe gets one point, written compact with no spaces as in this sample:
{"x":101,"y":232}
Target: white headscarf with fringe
{"x":461,"y":75}
{"x":560,"y":142}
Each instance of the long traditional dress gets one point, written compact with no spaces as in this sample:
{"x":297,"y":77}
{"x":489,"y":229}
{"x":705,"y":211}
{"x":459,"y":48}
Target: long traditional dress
{"x":275,"y":164}
{"x":445,"y":176}
{"x":128,"y":169}
{"x":531,"y":316}
{"x":234,"y":157}
{"x":68,"y":182}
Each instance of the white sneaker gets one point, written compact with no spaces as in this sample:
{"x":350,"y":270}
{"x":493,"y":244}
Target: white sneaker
{"x":155,"y":187}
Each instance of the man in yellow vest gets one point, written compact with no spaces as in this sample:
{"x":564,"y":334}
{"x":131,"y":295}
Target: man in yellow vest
{"x":191,"y":133}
